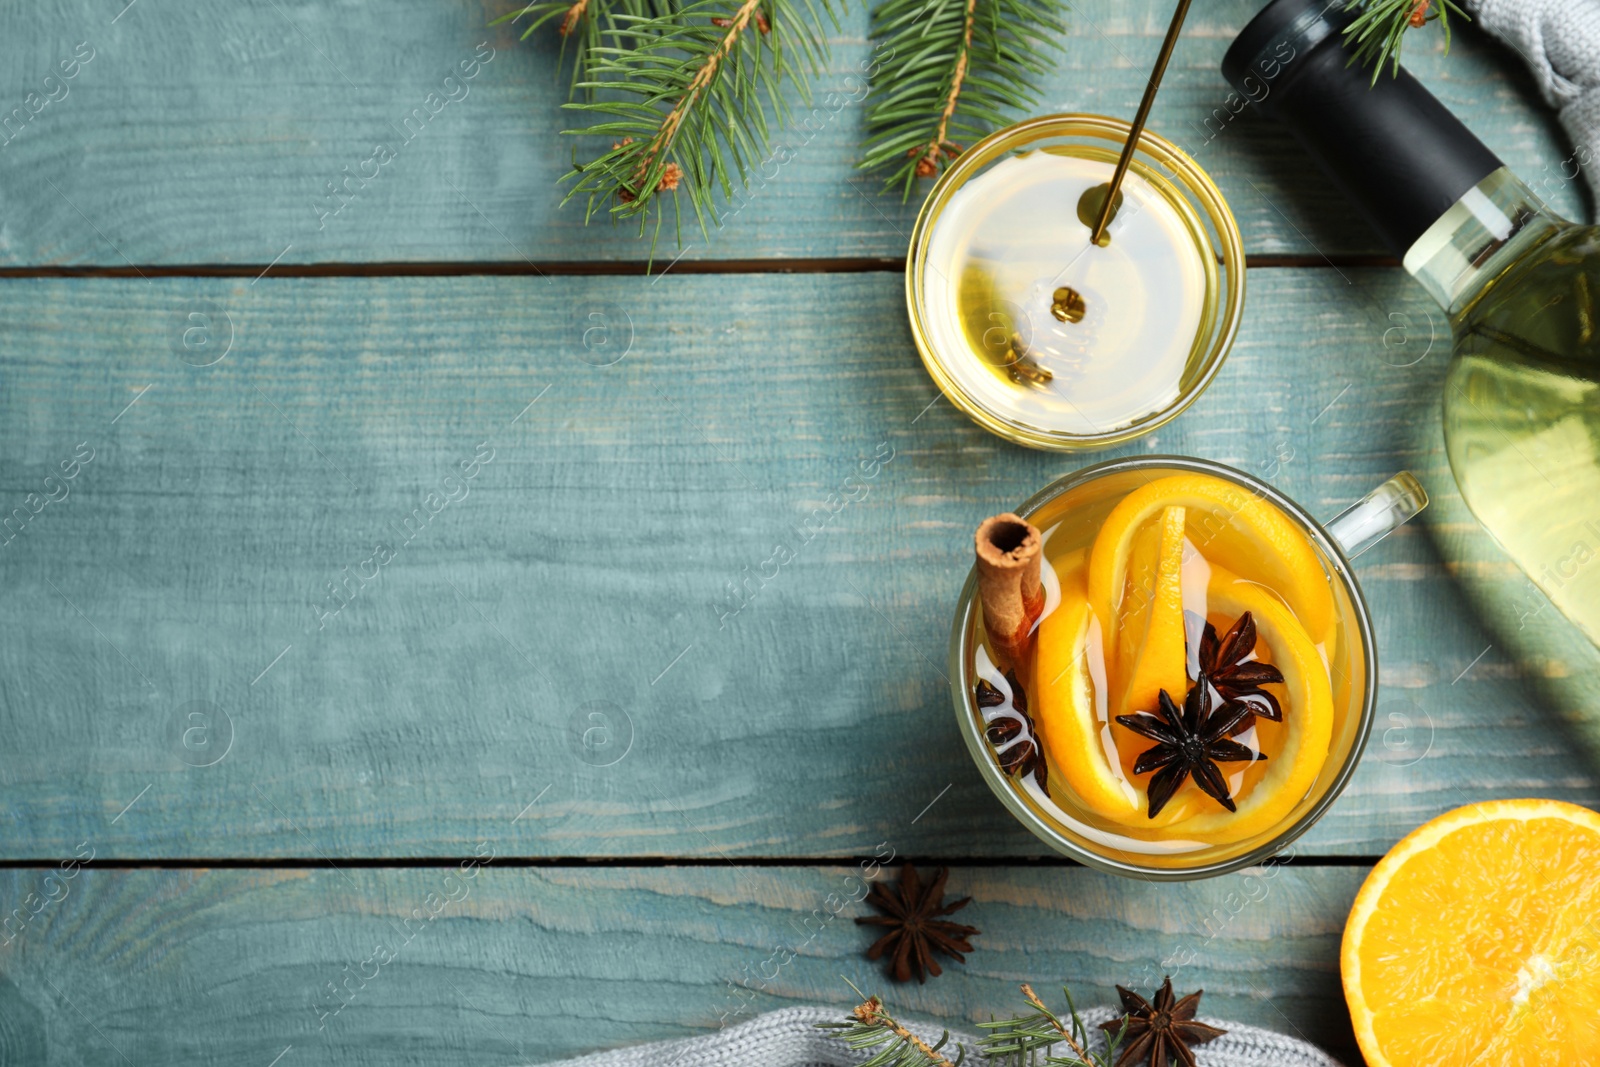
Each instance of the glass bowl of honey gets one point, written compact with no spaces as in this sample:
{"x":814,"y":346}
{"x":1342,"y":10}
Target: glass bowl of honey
{"x":1049,"y":340}
{"x":1192,"y":675}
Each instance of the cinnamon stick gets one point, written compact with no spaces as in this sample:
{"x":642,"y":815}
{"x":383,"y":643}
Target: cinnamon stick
{"x":1009,"y":588}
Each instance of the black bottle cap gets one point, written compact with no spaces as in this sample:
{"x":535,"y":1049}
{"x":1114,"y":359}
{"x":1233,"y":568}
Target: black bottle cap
{"x":1400,"y":156}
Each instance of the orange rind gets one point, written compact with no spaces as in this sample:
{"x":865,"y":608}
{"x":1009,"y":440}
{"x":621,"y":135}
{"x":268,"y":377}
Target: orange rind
{"x":1229,"y":525}
{"x":1160,"y":661}
{"x":1069,"y":708}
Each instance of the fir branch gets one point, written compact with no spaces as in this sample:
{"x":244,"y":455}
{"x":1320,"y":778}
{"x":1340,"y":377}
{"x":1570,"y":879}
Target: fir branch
{"x":1022,"y":1038}
{"x":928,"y":161}
{"x":1015,"y":1041}
{"x":585,"y":24}
{"x":1075,"y":1046}
{"x":871,"y":1026}
{"x":1377,"y":33}
{"x":954,"y":68}
{"x":688,"y":100}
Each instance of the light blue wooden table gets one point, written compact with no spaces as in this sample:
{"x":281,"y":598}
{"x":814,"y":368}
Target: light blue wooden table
{"x":274,"y":781}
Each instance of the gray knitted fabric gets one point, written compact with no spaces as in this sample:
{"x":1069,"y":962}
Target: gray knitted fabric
{"x":790,"y":1038}
{"x":1560,"y":42}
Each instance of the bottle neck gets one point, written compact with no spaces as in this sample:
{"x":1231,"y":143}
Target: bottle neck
{"x":1388,"y":144}
{"x":1491,"y":226}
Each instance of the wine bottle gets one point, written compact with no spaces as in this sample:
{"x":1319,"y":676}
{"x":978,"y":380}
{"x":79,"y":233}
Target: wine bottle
{"x":1518,"y":282}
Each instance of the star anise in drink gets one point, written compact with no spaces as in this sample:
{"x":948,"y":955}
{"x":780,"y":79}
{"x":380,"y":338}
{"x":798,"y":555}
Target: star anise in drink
{"x":1023,"y":757}
{"x":1226,"y":662}
{"x":915,"y":927}
{"x":1161,"y":1032}
{"x":1192,"y":742}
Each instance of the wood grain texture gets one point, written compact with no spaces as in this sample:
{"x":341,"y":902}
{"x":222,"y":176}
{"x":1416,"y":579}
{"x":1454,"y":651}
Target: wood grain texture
{"x":208,"y":134}
{"x":552,"y":662}
{"x":523,"y":966}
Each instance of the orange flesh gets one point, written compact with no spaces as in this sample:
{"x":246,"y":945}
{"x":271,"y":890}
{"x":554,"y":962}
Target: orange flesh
{"x":1475,"y":941}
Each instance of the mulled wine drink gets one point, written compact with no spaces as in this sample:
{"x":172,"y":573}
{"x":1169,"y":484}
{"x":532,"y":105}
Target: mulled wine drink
{"x":1195,"y":677}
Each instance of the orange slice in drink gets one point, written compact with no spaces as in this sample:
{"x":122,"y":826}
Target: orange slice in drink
{"x":1160,"y":661}
{"x":1071,"y":704}
{"x":1144,"y":562}
{"x":1229,"y":525}
{"x":1071,"y":714}
{"x":1069,"y":707}
{"x":1282,"y":781}
{"x":1476,"y":940}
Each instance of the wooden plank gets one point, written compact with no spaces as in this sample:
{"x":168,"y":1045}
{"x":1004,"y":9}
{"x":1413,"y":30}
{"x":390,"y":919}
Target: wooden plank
{"x":202,"y":133}
{"x":555,"y":654}
{"x":523,"y":966}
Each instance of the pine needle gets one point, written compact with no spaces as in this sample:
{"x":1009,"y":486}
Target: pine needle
{"x":688,"y":100}
{"x":1022,"y":1038}
{"x":1377,"y":33}
{"x":585,"y":24}
{"x":1017,"y":1042}
{"x":954,"y":70}
{"x":872,"y":1027}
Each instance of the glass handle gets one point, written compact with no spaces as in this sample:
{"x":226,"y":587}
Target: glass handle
{"x":1378,"y":514}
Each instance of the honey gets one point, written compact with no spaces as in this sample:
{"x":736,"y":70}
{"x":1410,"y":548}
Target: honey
{"x":1050,"y":331}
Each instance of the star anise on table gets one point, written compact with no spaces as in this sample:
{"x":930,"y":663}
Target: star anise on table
{"x":1161,"y":1032}
{"x":1023,"y":757}
{"x":916,"y":930}
{"x":1192,"y":742}
{"x":1234,"y":675}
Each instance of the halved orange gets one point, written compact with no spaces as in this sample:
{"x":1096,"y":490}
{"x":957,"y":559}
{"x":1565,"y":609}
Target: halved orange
{"x":1230,"y":525}
{"x":1476,"y":940}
